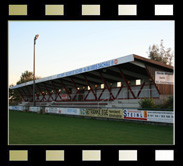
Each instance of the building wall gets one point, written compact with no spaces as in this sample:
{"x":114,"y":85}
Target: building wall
{"x":163,"y":89}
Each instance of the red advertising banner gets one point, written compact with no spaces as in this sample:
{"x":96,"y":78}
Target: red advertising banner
{"x":64,"y":96}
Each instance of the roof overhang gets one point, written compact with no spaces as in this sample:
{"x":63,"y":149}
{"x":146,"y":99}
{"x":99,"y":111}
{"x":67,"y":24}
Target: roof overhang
{"x":113,"y":62}
{"x":130,"y":63}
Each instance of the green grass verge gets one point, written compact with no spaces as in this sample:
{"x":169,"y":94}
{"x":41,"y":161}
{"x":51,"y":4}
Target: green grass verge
{"x":32,"y":128}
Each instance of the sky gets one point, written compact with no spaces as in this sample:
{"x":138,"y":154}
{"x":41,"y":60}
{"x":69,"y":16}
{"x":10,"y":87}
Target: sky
{"x":67,"y":45}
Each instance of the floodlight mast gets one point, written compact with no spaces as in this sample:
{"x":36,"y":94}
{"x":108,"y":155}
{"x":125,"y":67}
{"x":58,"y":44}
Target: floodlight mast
{"x":35,"y":38}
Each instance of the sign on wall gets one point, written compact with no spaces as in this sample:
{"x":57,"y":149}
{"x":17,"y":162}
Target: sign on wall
{"x":66,"y":111}
{"x":34,"y":109}
{"x":135,"y":114}
{"x":52,"y":110}
{"x":160,"y":116}
{"x":130,"y":114}
{"x":104,"y":113}
{"x":64,"y":96}
{"x":164,"y":77}
{"x":16,"y":108}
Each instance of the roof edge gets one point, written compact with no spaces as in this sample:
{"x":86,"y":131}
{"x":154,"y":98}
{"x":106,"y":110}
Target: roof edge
{"x":152,"y":61}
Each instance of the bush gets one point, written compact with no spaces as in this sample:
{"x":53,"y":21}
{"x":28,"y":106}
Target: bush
{"x":147,"y":103}
{"x":169,"y":102}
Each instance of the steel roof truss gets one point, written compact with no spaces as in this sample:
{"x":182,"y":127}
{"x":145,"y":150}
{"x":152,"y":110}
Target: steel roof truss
{"x":128,"y":73}
{"x":87,"y":95}
{"x":109,"y":77}
{"x":90,"y":78}
{"x":119,"y":91}
{"x":42,"y":94}
{"x":126,"y":82}
{"x":109,"y":89}
{"x":24,"y":93}
{"x":21,"y":94}
{"x":69,"y":82}
{"x":77,"y":90}
{"x":101,"y":93}
{"x":90,"y":87}
{"x":65,"y":89}
{"x":29,"y":93}
{"x":152,"y":80}
{"x":48,"y":93}
{"x":140,"y":89}
{"x":58,"y":94}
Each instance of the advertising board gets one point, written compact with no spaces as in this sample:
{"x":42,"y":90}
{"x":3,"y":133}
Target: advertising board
{"x":160,"y":116}
{"x":64,"y":96}
{"x":104,"y":113}
{"x":34,"y":109}
{"x":52,"y":110}
{"x":164,"y":77}
{"x":151,"y":116}
{"x":67,"y":111}
{"x":132,"y":114}
{"x":135,"y":114}
{"x":10,"y":107}
{"x":16,"y":108}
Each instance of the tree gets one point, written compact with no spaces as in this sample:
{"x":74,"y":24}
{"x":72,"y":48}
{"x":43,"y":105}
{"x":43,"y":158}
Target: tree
{"x":26,"y":76}
{"x":14,"y":95}
{"x":160,"y":54}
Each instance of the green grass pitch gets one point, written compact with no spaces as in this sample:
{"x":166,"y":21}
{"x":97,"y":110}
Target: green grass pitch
{"x":32,"y":128}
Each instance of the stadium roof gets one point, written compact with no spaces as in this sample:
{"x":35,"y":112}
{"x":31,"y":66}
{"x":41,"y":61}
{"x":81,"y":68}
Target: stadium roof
{"x":134,"y":67}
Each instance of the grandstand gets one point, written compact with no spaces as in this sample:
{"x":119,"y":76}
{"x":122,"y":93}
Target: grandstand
{"x":117,"y":83}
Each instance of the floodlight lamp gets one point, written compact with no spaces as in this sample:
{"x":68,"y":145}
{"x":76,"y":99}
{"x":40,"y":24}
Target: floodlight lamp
{"x":36,"y":37}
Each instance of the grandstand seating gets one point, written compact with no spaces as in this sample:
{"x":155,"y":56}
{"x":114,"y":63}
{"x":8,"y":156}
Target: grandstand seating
{"x":90,"y":104}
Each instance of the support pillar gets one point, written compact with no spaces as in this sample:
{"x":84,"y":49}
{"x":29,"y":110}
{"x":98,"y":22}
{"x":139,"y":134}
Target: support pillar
{"x":126,"y":82}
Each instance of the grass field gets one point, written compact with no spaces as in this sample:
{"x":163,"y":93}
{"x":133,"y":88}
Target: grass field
{"x":33,"y":128}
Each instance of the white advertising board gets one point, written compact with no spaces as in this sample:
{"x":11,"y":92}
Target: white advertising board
{"x":16,"y":108}
{"x":164,"y":77}
{"x":10,"y":107}
{"x":34,"y":109}
{"x":66,"y":111}
{"x":52,"y":110}
{"x":160,"y":116}
{"x":70,"y":111}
